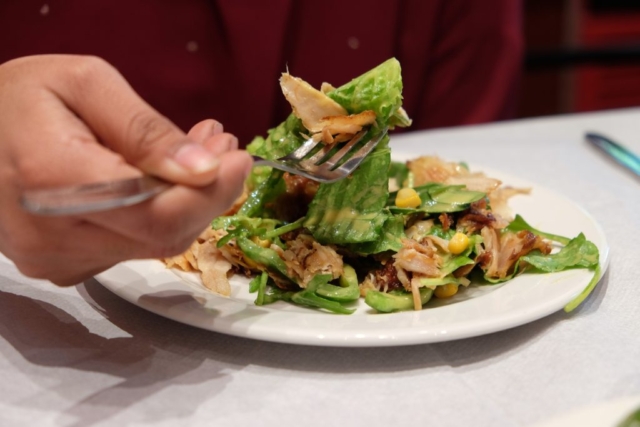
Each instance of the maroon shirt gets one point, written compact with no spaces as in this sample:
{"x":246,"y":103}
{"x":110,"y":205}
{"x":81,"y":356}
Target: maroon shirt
{"x":221,"y":59}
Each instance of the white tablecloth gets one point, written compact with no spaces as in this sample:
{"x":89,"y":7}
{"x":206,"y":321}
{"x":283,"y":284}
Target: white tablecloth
{"x":84,"y":357}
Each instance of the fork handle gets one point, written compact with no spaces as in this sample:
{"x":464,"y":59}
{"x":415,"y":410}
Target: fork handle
{"x":95,"y":197}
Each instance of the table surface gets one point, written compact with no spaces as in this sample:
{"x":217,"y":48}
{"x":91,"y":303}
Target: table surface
{"x":84,"y":357}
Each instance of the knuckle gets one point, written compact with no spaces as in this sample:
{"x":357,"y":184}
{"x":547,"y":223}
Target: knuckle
{"x":144,"y":130}
{"x":86,"y":70}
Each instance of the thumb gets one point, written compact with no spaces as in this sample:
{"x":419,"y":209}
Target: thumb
{"x":126,"y":124}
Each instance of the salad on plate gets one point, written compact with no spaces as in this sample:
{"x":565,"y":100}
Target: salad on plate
{"x":396,"y":234}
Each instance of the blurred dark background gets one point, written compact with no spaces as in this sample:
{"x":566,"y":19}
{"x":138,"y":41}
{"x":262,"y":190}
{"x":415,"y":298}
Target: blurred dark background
{"x":581,"y":55}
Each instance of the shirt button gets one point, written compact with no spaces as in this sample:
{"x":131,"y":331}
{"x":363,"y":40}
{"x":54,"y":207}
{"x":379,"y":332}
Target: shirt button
{"x":192,"y":46}
{"x":353,"y":43}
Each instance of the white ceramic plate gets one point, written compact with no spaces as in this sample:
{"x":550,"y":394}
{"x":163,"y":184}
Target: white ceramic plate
{"x":476,"y":311}
{"x":607,"y":414}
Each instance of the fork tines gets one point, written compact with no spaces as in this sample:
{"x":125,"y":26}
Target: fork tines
{"x":331,"y":155}
{"x":330,"y":162}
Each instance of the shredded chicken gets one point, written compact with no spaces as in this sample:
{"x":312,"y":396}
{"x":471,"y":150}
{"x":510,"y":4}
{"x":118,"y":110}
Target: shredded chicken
{"x":446,"y":220}
{"x":505,"y":249}
{"x":327,"y":120}
{"x":326,"y":87}
{"x":476,"y":181}
{"x":306,"y":258}
{"x":438,"y":241}
{"x":368,"y":284}
{"x":384,"y":279}
{"x":344,"y":128}
{"x":415,"y":293}
{"x":309,"y":104}
{"x":186,"y":261}
{"x":214,"y":267}
{"x":350,"y":124}
{"x":418,"y":258}
{"x":403,"y":278}
{"x":433,"y":169}
{"x":419,"y":229}
{"x":204,"y":256}
{"x":477,"y":217}
{"x":231,"y":252}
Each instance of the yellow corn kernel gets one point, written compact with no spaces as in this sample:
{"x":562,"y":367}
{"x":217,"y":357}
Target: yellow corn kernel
{"x":458,"y":243}
{"x":264,"y":243}
{"x":408,"y":198}
{"x":446,"y":291}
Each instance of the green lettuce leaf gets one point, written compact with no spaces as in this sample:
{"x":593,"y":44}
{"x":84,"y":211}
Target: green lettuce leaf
{"x":574,"y":303}
{"x":351,"y":210}
{"x":390,"y":238}
{"x":579,"y":252}
{"x":454,"y":262}
{"x":519,"y":224}
{"x":399,"y":172}
{"x":379,"y":89}
{"x":280,"y":141}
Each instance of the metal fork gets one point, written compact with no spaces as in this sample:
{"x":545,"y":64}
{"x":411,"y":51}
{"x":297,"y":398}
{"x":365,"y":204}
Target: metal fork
{"x":321,"y":162}
{"x":314,"y":160}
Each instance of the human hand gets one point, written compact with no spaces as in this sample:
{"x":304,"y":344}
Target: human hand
{"x":68,"y":120}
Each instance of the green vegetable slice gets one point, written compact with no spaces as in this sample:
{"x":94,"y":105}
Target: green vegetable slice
{"x":395,"y":300}
{"x":347,"y":291}
{"x":263,"y":256}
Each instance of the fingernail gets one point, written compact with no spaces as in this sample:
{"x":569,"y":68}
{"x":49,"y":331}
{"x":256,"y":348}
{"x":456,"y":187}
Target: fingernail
{"x":233,"y":144}
{"x":195,"y":158}
{"x":217,"y":128}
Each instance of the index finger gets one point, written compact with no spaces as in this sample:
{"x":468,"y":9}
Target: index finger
{"x":126,"y":124}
